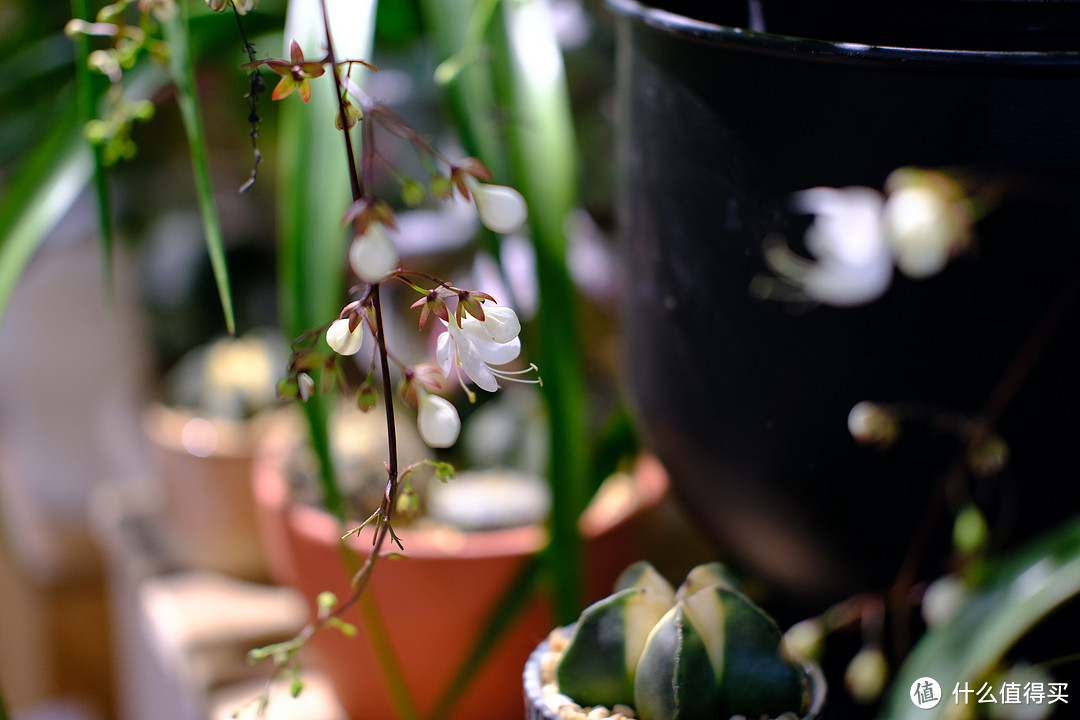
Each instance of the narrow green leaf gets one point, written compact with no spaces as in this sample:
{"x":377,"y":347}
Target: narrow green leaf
{"x":510,"y":104}
{"x":38,"y":196}
{"x":542,"y":156}
{"x":182,"y":69}
{"x":1023,"y":588}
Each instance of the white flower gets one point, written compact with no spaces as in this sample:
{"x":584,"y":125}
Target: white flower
{"x":341,"y":340}
{"x":854,"y":265}
{"x":502,"y":209}
{"x":437,"y":420}
{"x":373,"y":255}
{"x":474,"y":346}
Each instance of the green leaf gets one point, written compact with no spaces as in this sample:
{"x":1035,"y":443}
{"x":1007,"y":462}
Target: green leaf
{"x":444,"y":471}
{"x":1022,"y":589}
{"x":182,"y":69}
{"x":39,"y":195}
{"x":542,"y":161}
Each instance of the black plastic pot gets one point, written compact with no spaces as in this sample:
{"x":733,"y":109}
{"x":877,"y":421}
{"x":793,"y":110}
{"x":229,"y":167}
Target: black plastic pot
{"x":746,"y":400}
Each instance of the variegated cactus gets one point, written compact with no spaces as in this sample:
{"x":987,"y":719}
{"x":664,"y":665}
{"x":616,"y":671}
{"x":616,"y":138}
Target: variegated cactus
{"x":703,"y":652}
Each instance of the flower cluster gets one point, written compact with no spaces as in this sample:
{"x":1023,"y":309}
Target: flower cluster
{"x":473,"y":347}
{"x":858,"y":235}
{"x":480,"y":337}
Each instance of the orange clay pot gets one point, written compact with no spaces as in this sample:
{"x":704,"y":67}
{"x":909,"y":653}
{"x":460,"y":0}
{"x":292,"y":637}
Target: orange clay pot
{"x":434,"y":602}
{"x":203,"y":470}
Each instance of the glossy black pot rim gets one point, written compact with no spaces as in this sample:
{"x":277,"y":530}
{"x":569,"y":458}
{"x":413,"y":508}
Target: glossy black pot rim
{"x":743,"y":39}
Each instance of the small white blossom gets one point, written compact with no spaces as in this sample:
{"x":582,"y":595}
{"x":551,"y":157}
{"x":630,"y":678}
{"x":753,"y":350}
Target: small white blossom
{"x":858,"y":235}
{"x":437,"y":420}
{"x":474,"y":346}
{"x":502,"y":209}
{"x":341,"y":340}
{"x":373,"y":255}
{"x":854,"y":265}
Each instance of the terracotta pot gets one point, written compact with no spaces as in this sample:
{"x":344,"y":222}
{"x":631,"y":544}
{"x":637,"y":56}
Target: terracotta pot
{"x":207,"y":509}
{"x":536,"y":708}
{"x":433,"y":602}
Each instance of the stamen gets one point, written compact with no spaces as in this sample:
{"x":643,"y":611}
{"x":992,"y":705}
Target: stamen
{"x":510,"y":375}
{"x":461,"y":381}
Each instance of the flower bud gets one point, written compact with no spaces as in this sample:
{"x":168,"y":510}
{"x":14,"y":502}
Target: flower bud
{"x":921,"y":230}
{"x":305,"y":386}
{"x":803,"y":640}
{"x":373,"y":255}
{"x":970,"y":531}
{"x":872,"y":424}
{"x":866,"y":674}
{"x":942,"y":600}
{"x":437,"y":420}
{"x":502,"y":209}
{"x":343,"y":341}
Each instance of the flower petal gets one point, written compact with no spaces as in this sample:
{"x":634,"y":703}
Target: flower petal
{"x":847,"y":224}
{"x":501,"y":323}
{"x":445,"y":353}
{"x":284,"y":88}
{"x":491,"y":351}
{"x":295,"y":53}
{"x":470,"y":357}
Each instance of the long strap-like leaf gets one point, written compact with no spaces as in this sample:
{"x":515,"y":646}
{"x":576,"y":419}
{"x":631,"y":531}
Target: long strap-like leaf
{"x":1023,"y":589}
{"x":182,"y":69}
{"x":39,"y":195}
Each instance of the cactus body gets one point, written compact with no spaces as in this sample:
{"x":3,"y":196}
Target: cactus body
{"x":674,"y":677}
{"x":703,"y":653}
{"x":599,"y":664}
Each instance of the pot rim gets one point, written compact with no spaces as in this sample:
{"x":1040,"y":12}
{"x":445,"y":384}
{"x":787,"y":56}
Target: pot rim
{"x":537,"y":709}
{"x":649,"y":479}
{"x":829,"y":51}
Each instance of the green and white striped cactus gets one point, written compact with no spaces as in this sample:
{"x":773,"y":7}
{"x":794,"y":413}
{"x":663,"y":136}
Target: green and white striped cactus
{"x":704,"y":652}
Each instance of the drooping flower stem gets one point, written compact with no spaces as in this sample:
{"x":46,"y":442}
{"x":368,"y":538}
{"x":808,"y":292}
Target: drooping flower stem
{"x":386,"y":508}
